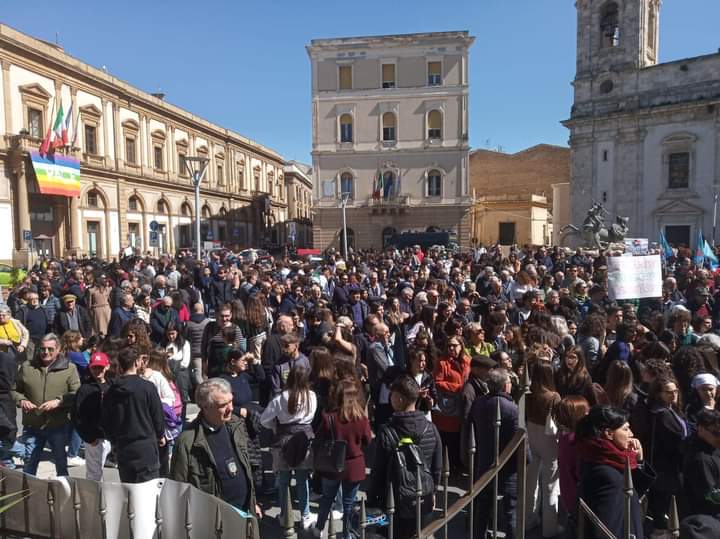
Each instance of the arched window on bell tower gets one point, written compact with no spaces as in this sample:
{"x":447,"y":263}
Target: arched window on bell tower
{"x":610,"y":25}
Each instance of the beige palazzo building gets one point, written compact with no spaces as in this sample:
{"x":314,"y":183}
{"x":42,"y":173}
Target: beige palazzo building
{"x":390,"y":132}
{"x":131,"y":146}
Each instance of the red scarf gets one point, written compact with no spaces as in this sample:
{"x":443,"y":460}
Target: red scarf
{"x":600,"y":451}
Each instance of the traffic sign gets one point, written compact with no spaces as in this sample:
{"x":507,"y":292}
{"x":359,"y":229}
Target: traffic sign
{"x":27,"y":235}
{"x":154,"y":225}
{"x":154,"y":238}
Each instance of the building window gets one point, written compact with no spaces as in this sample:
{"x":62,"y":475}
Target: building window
{"x":679,"y":170}
{"x":158,"y":157}
{"x":130,"y":156}
{"x":388,"y":127}
{"x":241,"y":175}
{"x":161,"y":206}
{"x":610,"y":26}
{"x":185,"y":210}
{"x":35,"y":122}
{"x":91,"y":139}
{"x":182,"y":167}
{"x":345,"y":75}
{"x":220,"y":175}
{"x":346,"y":128}
{"x":434,"y":184}
{"x":133,"y":204}
{"x":346,"y":184}
{"x":388,"y":75}
{"x":434,"y":73}
{"x":435,"y":125}
{"x":92,"y":199}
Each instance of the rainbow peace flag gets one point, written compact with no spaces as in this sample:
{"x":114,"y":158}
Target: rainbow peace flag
{"x":57,"y":174}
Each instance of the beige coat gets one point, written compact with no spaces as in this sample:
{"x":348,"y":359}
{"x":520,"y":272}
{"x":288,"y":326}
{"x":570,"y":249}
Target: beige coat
{"x":98,"y":302}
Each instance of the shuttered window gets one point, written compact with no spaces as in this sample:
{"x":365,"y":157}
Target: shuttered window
{"x":434,"y":73}
{"x":345,"y":77}
{"x":388,"y":76}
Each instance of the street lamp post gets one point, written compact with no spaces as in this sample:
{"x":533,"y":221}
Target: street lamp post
{"x":715,"y":190}
{"x":196,"y":167}
{"x":344,"y":197}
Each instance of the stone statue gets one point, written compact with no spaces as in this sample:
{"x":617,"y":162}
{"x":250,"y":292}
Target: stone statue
{"x":593,"y":232}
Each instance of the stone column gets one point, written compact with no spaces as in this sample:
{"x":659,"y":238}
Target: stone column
{"x":143,"y":142}
{"x":117,"y":135}
{"x":75,"y":224}
{"x":105,"y":133}
{"x":60,"y":210}
{"x":23,"y":210}
{"x":7,"y":95}
{"x":106,"y":233}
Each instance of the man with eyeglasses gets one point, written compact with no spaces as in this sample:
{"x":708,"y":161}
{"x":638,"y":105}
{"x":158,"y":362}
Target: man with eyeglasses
{"x":45,"y":389}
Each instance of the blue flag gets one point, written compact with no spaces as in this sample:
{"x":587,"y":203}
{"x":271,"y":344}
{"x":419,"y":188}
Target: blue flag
{"x":667,"y":251}
{"x":710,"y":255}
{"x":699,"y":257}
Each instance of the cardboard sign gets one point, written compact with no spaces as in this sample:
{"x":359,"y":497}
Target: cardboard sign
{"x":634,"y":277}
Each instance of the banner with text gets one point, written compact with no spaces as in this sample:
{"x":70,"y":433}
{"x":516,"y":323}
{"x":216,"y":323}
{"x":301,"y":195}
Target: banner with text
{"x":634,"y":277}
{"x":57,"y":174}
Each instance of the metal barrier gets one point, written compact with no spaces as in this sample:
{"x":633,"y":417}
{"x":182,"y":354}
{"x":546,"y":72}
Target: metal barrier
{"x":70,"y":507}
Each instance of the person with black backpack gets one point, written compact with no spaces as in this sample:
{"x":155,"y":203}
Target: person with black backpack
{"x":406,"y":445}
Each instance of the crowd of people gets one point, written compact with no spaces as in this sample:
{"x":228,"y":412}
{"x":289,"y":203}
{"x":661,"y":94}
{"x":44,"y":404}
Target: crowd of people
{"x":386,"y":359}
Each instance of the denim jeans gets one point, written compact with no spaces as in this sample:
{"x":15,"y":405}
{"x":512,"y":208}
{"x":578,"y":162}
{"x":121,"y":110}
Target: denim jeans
{"x":329,"y":491}
{"x":35,"y":441}
{"x":74,"y":444}
{"x":10,"y":449}
{"x":301,"y":485}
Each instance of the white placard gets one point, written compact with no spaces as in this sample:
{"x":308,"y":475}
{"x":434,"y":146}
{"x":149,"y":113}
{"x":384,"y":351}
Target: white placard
{"x":634,"y":277}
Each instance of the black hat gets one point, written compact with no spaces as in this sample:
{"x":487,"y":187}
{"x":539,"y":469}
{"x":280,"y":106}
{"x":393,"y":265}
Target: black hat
{"x":484,"y":362}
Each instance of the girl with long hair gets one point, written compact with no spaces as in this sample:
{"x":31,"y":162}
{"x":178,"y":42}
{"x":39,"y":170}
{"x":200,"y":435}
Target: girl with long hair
{"x":156,"y":369}
{"x":568,"y":413}
{"x":289,"y":414}
{"x":619,"y":387}
{"x":178,"y":355}
{"x":543,"y":485}
{"x":349,"y":423}
{"x":572,"y":377}
{"x":255,"y":325}
{"x":417,"y":367}
{"x":451,"y":372}
{"x":668,"y":430}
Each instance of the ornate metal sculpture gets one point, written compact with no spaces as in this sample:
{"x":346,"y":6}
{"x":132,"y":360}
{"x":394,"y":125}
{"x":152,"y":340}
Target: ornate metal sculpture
{"x":593,"y":232}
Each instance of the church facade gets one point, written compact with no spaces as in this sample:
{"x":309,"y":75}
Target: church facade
{"x":644,"y":135}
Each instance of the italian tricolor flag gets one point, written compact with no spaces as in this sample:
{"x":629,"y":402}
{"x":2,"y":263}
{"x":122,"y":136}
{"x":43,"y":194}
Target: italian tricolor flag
{"x":57,"y":134}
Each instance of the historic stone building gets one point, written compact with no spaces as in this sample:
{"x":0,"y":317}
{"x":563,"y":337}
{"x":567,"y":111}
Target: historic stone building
{"x":131,"y":146}
{"x":645,"y":137}
{"x":514,"y":193}
{"x":390,"y":130}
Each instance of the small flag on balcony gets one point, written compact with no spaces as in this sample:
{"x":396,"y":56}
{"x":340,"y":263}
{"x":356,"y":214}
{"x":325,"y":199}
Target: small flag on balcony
{"x":58,"y":128}
{"x":378,"y":187}
{"x":66,"y":126}
{"x":45,"y":145}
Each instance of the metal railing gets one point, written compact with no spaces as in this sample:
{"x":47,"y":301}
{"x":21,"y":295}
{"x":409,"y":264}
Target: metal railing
{"x":70,"y":507}
{"x":517,"y":448}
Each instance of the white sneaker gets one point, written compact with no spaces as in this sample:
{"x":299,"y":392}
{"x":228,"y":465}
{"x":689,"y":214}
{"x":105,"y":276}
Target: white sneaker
{"x":337,"y":515}
{"x":76,"y":461}
{"x":308,"y":521}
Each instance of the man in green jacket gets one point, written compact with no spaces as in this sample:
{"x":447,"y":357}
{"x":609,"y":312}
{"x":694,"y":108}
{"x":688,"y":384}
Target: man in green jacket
{"x":212,"y":455}
{"x":45,"y":389}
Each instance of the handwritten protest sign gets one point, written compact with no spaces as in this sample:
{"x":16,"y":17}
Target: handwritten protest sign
{"x":634,"y":277}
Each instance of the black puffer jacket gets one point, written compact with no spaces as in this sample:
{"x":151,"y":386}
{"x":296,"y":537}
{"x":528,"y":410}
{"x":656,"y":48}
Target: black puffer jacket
{"x":411,"y":424}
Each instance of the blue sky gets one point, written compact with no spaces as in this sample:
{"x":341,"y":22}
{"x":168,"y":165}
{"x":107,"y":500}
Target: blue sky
{"x":242,"y":63}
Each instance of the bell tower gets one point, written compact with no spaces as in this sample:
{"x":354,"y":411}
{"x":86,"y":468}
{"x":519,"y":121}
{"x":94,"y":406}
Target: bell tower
{"x":616,"y":34}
